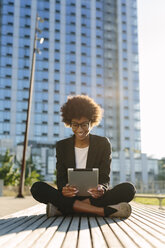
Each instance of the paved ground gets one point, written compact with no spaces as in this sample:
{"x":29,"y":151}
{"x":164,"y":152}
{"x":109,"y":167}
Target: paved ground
{"x":10,"y":204}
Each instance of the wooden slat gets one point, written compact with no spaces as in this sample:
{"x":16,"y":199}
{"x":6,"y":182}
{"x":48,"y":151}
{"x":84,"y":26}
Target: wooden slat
{"x":59,"y":235}
{"x":35,"y":210}
{"x":110,"y":237}
{"x":47,"y":235}
{"x":18,"y":216}
{"x":122,"y":235}
{"x":153,"y":217}
{"x":35,"y":234}
{"x":151,"y":213}
{"x":29,"y":211}
{"x":148,"y":228}
{"x":84,"y":234}
{"x":22,"y":231}
{"x":10,"y":232}
{"x":96,"y":233}
{"x":31,"y":228}
{"x":144,"y":232}
{"x":11,"y":222}
{"x":158,"y":212}
{"x":140,"y":241}
{"x":16,"y":225}
{"x":150,"y":209}
{"x":155,"y":225}
{"x":15,"y":221}
{"x":72,"y":234}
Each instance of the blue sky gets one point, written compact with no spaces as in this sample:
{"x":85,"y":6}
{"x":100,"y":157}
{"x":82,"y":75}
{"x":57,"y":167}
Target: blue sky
{"x":151,"y":25}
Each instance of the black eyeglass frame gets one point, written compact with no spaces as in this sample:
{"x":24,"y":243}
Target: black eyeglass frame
{"x":80,"y":125}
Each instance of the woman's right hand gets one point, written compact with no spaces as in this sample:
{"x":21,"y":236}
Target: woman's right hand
{"x":69,"y":191}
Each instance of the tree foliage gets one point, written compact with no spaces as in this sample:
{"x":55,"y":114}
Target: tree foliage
{"x":161,"y":167}
{"x":32,"y":174}
{"x":10,"y":170}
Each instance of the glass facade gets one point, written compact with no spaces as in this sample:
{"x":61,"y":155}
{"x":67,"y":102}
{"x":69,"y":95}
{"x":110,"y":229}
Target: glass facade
{"x":89,"y":47}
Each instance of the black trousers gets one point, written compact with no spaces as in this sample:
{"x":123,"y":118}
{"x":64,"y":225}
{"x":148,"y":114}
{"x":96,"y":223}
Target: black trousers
{"x":44,"y":193}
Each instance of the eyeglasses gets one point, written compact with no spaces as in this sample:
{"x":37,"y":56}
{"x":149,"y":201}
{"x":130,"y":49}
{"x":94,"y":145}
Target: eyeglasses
{"x":84,"y":125}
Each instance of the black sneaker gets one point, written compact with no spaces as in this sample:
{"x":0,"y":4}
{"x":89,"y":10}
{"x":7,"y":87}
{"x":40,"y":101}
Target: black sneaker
{"x":123,"y":210}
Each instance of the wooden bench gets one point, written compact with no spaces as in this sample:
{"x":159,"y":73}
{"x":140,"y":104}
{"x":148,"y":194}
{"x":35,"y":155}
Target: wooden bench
{"x":31,"y":228}
{"x":157,"y":196}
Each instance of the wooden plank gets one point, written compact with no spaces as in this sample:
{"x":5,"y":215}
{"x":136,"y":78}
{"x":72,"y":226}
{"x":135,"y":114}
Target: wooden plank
{"x":96,"y":234}
{"x":143,"y":224}
{"x":11,"y":222}
{"x":31,"y":228}
{"x":16,"y":221}
{"x":150,"y":222}
{"x":84,"y":234}
{"x":9,"y":227}
{"x":40,"y":237}
{"x":154,"y":210}
{"x":59,"y":235}
{"x":140,"y":241}
{"x":11,"y":231}
{"x":153,"y":219}
{"x":152,"y":214}
{"x":144,"y":232}
{"x":121,"y":234}
{"x":149,"y":238}
{"x":72,"y":234}
{"x":29,"y":211}
{"x":35,"y":234}
{"x":159,"y":213}
{"x":10,"y":219}
{"x":21,"y":234}
{"x":110,"y":237}
{"x":15,"y":225}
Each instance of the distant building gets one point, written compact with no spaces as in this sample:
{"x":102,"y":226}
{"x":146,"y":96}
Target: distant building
{"x":90,"y":47}
{"x":136,"y":168}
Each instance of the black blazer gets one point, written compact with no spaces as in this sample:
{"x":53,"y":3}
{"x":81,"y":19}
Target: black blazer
{"x":99,"y":156}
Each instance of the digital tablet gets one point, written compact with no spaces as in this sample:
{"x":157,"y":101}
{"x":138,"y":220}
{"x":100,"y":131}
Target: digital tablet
{"x":83,"y":179}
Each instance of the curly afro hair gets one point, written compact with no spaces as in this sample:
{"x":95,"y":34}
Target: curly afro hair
{"x":81,"y":106}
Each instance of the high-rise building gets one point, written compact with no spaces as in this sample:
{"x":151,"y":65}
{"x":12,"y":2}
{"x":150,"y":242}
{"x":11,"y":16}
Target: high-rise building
{"x":90,"y":47}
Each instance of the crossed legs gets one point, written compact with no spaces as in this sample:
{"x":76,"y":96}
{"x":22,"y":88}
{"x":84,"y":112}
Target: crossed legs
{"x":123,"y":192}
{"x":44,"y":193}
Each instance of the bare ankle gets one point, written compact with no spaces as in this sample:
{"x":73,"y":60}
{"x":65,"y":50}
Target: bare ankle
{"x":83,"y":207}
{"x":101,"y":212}
{"x":87,"y":201}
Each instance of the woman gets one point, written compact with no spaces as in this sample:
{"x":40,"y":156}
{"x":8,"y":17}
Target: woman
{"x":84,"y":150}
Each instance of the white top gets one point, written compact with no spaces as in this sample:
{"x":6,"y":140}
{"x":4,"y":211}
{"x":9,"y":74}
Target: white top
{"x":81,"y":157}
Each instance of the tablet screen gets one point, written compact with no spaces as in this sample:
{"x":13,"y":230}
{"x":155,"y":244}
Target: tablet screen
{"x":83,"y":179}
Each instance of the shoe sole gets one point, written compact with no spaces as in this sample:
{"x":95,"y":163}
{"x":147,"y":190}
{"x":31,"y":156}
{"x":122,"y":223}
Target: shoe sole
{"x":123,"y":212}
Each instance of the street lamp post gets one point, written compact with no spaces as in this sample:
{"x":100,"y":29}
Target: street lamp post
{"x":23,"y":166}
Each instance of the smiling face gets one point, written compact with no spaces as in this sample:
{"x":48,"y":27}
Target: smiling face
{"x":81,"y":128}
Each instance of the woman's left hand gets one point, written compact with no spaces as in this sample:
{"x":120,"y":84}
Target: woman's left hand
{"x":96,"y":192}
